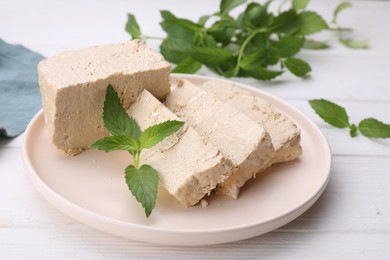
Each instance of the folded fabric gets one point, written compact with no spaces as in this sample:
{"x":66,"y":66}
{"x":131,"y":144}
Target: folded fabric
{"x":19,"y":92}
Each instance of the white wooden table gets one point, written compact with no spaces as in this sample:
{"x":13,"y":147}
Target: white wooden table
{"x":350,"y":221}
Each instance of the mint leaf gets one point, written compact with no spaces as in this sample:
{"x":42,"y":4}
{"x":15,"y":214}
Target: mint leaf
{"x":181,"y":36}
{"x":311,"y":23}
{"x":222,"y":33}
{"x":132,"y":27}
{"x":260,"y":73}
{"x":315,"y":45}
{"x":203,"y":20}
{"x":330,"y":112}
{"x":209,"y":41}
{"x":116,"y":142}
{"x":227,"y":5}
{"x":300,"y":4}
{"x":175,"y":49}
{"x":270,"y":57}
{"x":355,"y":44}
{"x":352,"y":130}
{"x":297,"y":67}
{"x":210,"y":56}
{"x":256,"y":15}
{"x":342,"y":6}
{"x":170,"y":20}
{"x":261,"y":57}
{"x":143,"y":184}
{"x":289,"y":46}
{"x":373,"y":128}
{"x":115,"y":118}
{"x":252,"y":60}
{"x":287,"y":22}
{"x":156,"y":133}
{"x":188,"y":65}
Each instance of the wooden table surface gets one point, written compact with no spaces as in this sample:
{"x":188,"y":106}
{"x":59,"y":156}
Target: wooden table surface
{"x":351,"y":220}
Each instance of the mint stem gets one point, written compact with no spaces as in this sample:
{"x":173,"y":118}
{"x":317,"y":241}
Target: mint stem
{"x":145,"y":37}
{"x":137,"y":159}
{"x":340,"y":29}
{"x":243,"y":46}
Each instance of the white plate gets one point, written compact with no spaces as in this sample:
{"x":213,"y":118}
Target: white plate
{"x":91,"y":188}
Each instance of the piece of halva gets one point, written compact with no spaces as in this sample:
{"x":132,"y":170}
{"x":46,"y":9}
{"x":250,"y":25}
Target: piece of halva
{"x":236,"y":136}
{"x":73,"y":86}
{"x":188,"y":167}
{"x":284,"y":133}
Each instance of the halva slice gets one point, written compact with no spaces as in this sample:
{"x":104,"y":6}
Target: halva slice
{"x":284,"y":132}
{"x":236,"y":136}
{"x":188,"y":167}
{"x":73,"y":86}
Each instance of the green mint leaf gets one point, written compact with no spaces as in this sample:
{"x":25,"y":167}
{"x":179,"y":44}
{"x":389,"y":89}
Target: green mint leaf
{"x":260,"y":73}
{"x":287,"y":22}
{"x":342,"y":6}
{"x":330,"y":112}
{"x":260,"y":40}
{"x":222,"y":33}
{"x":169,"y":20}
{"x":297,"y":67}
{"x":209,"y":41}
{"x":260,"y":56}
{"x":116,"y":142}
{"x":227,"y":72}
{"x":188,"y":65}
{"x":179,"y":31}
{"x":115,"y":118}
{"x":270,"y":57}
{"x":167,"y":17}
{"x":181,"y":36}
{"x":210,"y":56}
{"x":156,"y":133}
{"x":311,"y":23}
{"x":315,"y":45}
{"x":253,"y":59}
{"x":175,"y":49}
{"x":203,"y":20}
{"x":132,"y":27}
{"x":227,"y":5}
{"x":256,"y":55}
{"x":143,"y":184}
{"x":352,"y":130}
{"x":363,"y":44}
{"x":373,"y":128}
{"x":289,"y":46}
{"x":300,"y":4}
{"x":256,"y":15}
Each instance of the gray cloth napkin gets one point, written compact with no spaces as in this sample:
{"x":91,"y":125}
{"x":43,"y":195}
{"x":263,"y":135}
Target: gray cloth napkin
{"x":19,"y":92}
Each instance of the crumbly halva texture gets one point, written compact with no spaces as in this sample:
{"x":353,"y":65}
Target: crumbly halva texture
{"x":235,"y":135}
{"x":188,"y":167}
{"x":284,"y":133}
{"x":73,"y":86}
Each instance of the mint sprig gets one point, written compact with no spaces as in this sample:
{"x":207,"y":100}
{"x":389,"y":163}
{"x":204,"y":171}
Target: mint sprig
{"x":255,"y":43}
{"x":350,"y":43}
{"x":337,"y":116}
{"x":142,"y":180}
